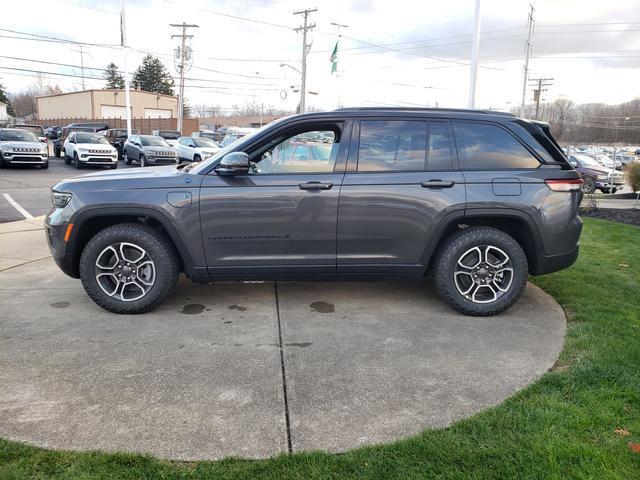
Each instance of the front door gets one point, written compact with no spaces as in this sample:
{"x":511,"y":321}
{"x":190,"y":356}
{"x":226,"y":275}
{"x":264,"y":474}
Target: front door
{"x":401,"y":181}
{"x":281,"y":217}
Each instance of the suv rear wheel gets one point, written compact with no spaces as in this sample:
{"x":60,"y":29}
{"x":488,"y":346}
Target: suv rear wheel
{"x":480,"y":271}
{"x":129,"y":268}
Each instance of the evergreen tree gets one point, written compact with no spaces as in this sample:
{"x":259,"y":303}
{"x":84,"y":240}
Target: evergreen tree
{"x":5,"y":99}
{"x":113,"y":77}
{"x":153,"y":76}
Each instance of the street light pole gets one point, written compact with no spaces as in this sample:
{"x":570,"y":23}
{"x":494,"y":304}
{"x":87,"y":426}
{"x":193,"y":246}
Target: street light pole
{"x":473,"y":74}
{"x":123,"y":44}
{"x":305,"y":49}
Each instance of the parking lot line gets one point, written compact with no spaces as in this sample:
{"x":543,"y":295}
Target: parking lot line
{"x":17,"y":206}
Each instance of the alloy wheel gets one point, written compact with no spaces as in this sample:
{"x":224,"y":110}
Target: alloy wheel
{"x":483,"y":274}
{"x":125,"y":271}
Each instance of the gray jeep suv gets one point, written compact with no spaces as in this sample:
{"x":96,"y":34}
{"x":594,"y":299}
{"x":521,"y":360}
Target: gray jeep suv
{"x":477,"y":199}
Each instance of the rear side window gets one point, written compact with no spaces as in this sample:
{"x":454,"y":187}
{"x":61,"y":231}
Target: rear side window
{"x":483,"y":146}
{"x":392,"y":146}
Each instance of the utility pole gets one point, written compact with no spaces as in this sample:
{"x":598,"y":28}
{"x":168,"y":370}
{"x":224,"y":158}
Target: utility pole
{"x":82,"y":65}
{"x":123,"y":45}
{"x":305,"y":50}
{"x":539,"y":85}
{"x":183,"y":55}
{"x":527,"y":48}
{"x":475,"y":48}
{"x":339,"y":77}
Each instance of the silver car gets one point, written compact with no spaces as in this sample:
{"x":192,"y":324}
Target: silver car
{"x":149,"y":150}
{"x":22,"y":147}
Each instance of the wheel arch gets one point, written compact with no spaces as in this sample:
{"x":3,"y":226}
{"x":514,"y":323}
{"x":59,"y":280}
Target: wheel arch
{"x":89,"y":222}
{"x":515,"y":223}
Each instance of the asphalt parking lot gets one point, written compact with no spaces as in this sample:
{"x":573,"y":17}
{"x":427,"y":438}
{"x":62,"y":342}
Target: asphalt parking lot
{"x":30,"y":187}
{"x":250,"y":369}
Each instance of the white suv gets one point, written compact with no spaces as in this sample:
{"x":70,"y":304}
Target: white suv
{"x":195,"y":149}
{"x":84,"y":148}
{"x":22,"y":147}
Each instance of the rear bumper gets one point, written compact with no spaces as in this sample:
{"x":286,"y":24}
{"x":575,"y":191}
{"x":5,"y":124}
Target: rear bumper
{"x":553,"y":263}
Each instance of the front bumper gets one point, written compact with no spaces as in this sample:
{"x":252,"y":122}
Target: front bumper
{"x":93,"y":159}
{"x":22,"y":159}
{"x":162,"y":160}
{"x":607,"y":184}
{"x":60,"y":249}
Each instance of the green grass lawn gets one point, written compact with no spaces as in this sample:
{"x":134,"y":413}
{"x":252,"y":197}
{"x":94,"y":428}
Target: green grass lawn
{"x":563,"y":426}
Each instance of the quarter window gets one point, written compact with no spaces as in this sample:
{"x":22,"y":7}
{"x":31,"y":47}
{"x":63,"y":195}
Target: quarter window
{"x":482,"y":146}
{"x":392,"y":146}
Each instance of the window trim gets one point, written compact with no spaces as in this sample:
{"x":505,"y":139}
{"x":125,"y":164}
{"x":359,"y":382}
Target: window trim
{"x":509,"y":132}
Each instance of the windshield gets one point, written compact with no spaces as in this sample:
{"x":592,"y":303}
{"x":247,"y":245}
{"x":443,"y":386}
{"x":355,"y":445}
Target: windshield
{"x":148,"y":141}
{"x":17,"y":136}
{"x":35,"y":129}
{"x":123,"y":133}
{"x":169,"y":134}
{"x":91,"y":138}
{"x":204,"y":142}
{"x":586,"y":161}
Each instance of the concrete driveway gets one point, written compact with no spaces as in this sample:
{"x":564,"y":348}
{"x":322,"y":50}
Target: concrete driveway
{"x":250,"y":369}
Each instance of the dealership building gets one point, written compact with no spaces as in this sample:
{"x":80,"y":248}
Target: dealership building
{"x":107,"y":103}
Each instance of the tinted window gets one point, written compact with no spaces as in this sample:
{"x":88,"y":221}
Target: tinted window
{"x":439,"y":148}
{"x":483,"y":146}
{"x":392,"y":146}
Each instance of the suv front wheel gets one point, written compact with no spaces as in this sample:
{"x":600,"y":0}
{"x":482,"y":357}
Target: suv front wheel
{"x":480,"y":271}
{"x":129,"y":268}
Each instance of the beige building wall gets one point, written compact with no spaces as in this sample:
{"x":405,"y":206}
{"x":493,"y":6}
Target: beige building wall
{"x":90,"y":103}
{"x":66,"y":105}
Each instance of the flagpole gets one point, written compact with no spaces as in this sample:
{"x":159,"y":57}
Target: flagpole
{"x":334,"y":58}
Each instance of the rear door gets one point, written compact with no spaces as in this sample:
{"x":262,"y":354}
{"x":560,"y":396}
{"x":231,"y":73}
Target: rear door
{"x":402,"y":179}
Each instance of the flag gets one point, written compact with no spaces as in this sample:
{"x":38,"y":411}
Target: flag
{"x":334,"y":59}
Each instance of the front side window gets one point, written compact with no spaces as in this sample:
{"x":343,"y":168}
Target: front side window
{"x":303,"y":152}
{"x":482,"y":146}
{"x":392,"y":146}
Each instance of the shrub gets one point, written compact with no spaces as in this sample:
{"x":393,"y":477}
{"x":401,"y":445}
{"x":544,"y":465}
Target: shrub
{"x":633,"y":175}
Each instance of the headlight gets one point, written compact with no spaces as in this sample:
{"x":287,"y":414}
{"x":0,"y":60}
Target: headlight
{"x":83,"y":150}
{"x":602,"y":177}
{"x":60,"y":199}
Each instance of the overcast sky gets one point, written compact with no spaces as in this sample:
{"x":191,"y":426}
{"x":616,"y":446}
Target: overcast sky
{"x":392,"y":53}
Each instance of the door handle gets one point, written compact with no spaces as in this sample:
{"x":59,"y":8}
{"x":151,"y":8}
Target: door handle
{"x":437,"y":184}
{"x":315,"y":186}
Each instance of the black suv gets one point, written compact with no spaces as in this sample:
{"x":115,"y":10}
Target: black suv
{"x":477,"y":199}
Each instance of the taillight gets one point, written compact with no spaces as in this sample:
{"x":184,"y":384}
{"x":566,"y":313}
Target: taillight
{"x":565,"y":185}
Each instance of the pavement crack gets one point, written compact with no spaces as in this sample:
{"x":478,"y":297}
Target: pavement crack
{"x":24,"y":263}
{"x":287,"y":419}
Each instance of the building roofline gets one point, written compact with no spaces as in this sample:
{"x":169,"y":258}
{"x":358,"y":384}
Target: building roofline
{"x":118,"y":90}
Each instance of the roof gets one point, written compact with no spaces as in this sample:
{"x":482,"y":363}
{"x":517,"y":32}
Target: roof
{"x":115,"y":90}
{"x":423,"y":109}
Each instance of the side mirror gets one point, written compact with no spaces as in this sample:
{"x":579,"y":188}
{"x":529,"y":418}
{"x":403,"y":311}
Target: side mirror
{"x":234,"y":163}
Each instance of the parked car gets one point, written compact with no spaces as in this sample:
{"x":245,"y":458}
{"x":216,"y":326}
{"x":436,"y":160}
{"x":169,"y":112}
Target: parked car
{"x":117,"y":137}
{"x":479,"y":213}
{"x":171,"y":136}
{"x":83,"y":148}
{"x":52,"y":132}
{"x":595,"y":175}
{"x":626,"y":160}
{"x":149,"y":150}
{"x":22,"y":147}
{"x":37,"y":130}
{"x":215,"y":136}
{"x":75,"y":127}
{"x":233,"y":134}
{"x":607,"y":161}
{"x":195,"y":149}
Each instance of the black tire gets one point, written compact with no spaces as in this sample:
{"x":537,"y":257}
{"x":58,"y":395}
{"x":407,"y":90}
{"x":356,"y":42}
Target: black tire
{"x":114,"y":166}
{"x":160,"y":250}
{"x":45,"y":166}
{"x":589,"y":185}
{"x":196,"y":158}
{"x":453,"y":249}
{"x":76,"y":160}
{"x":56,"y":152}
{"x":127,"y":160}
{"x":143,"y":160}
{"x":608,"y":190}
